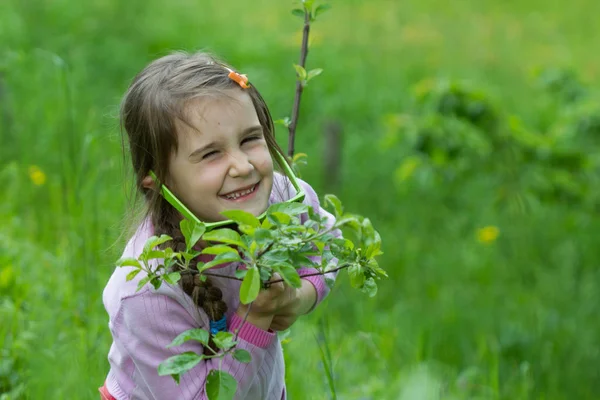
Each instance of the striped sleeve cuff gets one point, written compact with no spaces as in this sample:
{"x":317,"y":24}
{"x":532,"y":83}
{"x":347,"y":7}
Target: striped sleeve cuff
{"x":251,"y":333}
{"x":318,"y":281}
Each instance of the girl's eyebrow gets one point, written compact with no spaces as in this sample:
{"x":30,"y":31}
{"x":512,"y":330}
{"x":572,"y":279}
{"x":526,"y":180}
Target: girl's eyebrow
{"x":247,"y":131}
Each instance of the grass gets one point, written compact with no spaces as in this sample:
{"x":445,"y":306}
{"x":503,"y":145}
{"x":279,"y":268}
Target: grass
{"x":456,"y":320}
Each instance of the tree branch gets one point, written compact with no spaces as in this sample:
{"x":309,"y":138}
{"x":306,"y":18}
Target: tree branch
{"x":299,"y":85}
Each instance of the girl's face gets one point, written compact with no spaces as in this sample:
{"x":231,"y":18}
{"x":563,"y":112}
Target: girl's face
{"x":222,"y":161}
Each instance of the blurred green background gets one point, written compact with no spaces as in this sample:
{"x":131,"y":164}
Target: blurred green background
{"x":470,"y":138}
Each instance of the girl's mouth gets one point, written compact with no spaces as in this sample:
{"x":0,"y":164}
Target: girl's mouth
{"x":241,"y":195}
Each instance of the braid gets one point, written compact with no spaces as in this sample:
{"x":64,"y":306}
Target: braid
{"x":203,"y":293}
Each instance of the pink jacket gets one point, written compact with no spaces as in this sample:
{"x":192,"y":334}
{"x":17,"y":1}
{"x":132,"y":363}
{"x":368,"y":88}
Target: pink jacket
{"x":143,"y":323}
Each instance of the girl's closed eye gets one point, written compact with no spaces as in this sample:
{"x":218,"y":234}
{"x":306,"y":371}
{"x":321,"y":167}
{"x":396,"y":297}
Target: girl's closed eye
{"x":210,"y":154}
{"x":252,"y":138}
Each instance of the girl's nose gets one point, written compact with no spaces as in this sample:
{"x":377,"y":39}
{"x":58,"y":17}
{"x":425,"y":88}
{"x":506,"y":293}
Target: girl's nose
{"x":240,"y":165}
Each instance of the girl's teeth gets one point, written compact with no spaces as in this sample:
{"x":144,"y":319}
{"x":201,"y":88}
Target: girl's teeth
{"x":240,"y":194}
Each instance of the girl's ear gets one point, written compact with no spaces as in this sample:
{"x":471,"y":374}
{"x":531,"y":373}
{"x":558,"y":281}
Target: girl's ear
{"x":148,"y":182}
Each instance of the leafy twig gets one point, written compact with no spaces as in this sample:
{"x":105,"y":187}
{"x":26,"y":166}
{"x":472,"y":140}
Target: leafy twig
{"x":299,"y":85}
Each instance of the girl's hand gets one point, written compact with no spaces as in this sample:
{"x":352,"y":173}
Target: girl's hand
{"x":280,"y":305}
{"x":298,"y":302}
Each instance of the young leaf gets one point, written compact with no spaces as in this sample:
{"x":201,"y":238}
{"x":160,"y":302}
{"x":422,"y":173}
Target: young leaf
{"x":219,"y":249}
{"x":335,"y":203}
{"x":192,"y":232}
{"x":220,"y":385}
{"x":154,"y":254}
{"x":240,"y":273}
{"x":242,"y":218}
{"x":370,"y":287}
{"x":224,"y":340}
{"x":224,"y":235}
{"x":142,"y":282}
{"x":321,"y":9}
{"x":274,"y":256}
{"x":280,"y":218}
{"x":242,"y":356}
{"x":220,"y":259}
{"x":156,"y":282}
{"x":172,"y":278}
{"x":179,"y":364}
{"x":300,"y":71}
{"x":284,"y":121}
{"x":250,"y":286}
{"x":289,"y":208}
{"x":128,"y":262}
{"x":263,"y":236}
{"x":298,"y":12}
{"x":132,"y":274}
{"x":290,"y":275}
{"x":357,"y":278}
{"x":312,"y":73}
{"x":154,"y":241}
{"x":199,"y":335}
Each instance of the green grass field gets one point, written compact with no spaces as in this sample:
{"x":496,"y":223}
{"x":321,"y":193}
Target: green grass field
{"x":507,"y":317}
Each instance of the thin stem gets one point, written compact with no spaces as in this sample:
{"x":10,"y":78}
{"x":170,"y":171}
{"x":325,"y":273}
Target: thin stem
{"x":243,"y":322}
{"x":299,"y":86}
{"x":221,"y":276}
{"x":281,"y":280}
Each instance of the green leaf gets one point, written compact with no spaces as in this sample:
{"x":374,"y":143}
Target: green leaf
{"x":370,"y":287}
{"x":275,"y":256}
{"x":154,"y":254}
{"x":172,"y":278}
{"x":220,"y":385}
{"x":313,"y":72}
{"x":335,"y":203}
{"x":179,"y":364}
{"x":240,"y":273}
{"x":219,"y":249}
{"x":287,"y":121}
{"x":224,"y":235}
{"x":290,"y":275}
{"x":142,"y":282}
{"x":192,"y":232}
{"x":357,"y":278}
{"x":266,"y":224}
{"x":128,"y":262}
{"x":298,"y":12}
{"x":242,"y":217}
{"x":300,"y":71}
{"x":199,"y":335}
{"x":250,"y":286}
{"x":242,"y":356}
{"x":308,"y":4}
{"x":156,"y":282}
{"x":154,"y":241}
{"x":132,"y":274}
{"x":263,"y":236}
{"x":280,"y":218}
{"x":321,"y":9}
{"x":223,"y":258}
{"x":289,"y":208}
{"x":190,"y":256}
{"x":224,"y":340}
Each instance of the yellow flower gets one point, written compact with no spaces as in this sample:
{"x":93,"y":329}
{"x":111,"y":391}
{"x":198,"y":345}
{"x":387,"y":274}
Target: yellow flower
{"x":488,"y":234}
{"x":37,"y":175}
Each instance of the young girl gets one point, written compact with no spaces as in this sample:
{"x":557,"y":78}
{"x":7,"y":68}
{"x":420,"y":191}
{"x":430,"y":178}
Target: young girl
{"x":208,"y":135}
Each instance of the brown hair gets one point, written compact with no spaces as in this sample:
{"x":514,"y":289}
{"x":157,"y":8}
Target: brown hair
{"x":153,"y":102}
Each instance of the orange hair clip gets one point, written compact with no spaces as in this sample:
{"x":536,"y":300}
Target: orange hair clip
{"x":240,"y":79}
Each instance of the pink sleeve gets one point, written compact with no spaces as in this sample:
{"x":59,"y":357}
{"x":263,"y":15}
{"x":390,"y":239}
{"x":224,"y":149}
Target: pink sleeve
{"x":148,"y":322}
{"x":318,"y":281}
